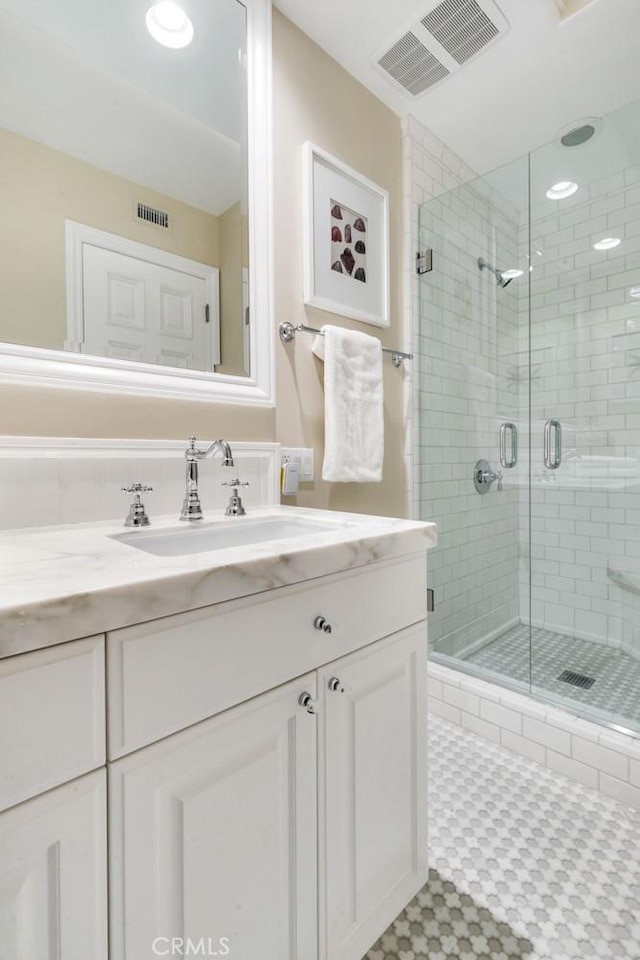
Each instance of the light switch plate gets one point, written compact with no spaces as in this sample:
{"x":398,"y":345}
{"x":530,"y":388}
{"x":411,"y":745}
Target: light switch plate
{"x":305,"y":457}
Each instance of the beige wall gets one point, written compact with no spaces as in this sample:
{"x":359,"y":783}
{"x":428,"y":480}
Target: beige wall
{"x":40,"y":188}
{"x":233,"y":256}
{"x":314,"y":99}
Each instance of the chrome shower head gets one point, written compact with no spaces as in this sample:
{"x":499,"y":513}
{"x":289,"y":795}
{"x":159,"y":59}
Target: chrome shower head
{"x":501,"y":280}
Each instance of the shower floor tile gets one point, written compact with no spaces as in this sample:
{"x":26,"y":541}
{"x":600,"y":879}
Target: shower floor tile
{"x":615,"y":694}
{"x":524,"y":864}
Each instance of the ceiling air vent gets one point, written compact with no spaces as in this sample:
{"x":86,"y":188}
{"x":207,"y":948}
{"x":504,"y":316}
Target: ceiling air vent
{"x":159,"y":218}
{"x":412,"y":65}
{"x":449,"y":35}
{"x":462,"y":27}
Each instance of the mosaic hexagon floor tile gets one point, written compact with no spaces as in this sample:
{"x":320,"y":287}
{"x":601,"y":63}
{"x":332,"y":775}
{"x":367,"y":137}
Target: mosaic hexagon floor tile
{"x":615,"y":674}
{"x":524,"y":864}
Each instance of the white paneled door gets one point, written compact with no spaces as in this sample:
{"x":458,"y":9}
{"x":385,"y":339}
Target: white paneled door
{"x":214,"y":836}
{"x":373,"y":845}
{"x":131,"y":301}
{"x":142,"y":311}
{"x":53,"y":874}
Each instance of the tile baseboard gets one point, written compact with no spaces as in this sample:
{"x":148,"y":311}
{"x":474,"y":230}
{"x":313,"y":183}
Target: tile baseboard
{"x":604,"y":759}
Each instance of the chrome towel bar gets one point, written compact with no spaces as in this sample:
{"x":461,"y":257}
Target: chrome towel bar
{"x":288,"y":331}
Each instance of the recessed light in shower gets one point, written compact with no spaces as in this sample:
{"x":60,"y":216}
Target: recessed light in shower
{"x":512,"y":274}
{"x":608,"y":243}
{"x":562,"y":190}
{"x":169,"y":25}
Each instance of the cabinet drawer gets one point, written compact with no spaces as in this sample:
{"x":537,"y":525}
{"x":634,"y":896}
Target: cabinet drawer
{"x":170,"y":673}
{"x":52,"y":717}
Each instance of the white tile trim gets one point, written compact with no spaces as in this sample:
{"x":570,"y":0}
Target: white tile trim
{"x":71,"y":480}
{"x":604,"y":759}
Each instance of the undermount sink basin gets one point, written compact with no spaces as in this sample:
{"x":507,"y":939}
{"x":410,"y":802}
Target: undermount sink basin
{"x":237,"y":532}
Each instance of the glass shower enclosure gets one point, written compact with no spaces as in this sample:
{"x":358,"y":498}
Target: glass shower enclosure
{"x":529,"y":421}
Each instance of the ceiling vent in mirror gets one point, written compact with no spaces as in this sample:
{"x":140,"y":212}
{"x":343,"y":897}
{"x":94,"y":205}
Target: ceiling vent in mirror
{"x":449,"y":35}
{"x":158,"y":218}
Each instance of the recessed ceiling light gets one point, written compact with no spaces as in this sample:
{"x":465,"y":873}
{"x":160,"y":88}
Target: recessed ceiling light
{"x":561,"y":190}
{"x":635,"y":293}
{"x":512,"y":274}
{"x":608,"y":243}
{"x":169,"y":25}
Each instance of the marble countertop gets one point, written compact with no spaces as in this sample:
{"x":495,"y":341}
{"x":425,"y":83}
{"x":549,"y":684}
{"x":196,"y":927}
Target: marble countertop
{"x":62,"y":583}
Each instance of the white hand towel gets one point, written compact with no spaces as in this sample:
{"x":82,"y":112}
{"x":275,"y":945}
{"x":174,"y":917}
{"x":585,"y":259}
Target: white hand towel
{"x":353,"y":405}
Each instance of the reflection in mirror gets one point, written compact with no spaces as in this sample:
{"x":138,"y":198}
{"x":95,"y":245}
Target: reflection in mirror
{"x":123,"y":183}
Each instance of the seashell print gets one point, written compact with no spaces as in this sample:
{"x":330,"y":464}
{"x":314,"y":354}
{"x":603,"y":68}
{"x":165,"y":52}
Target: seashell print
{"x":337,"y":266}
{"x":358,"y":224}
{"x":348,"y":260}
{"x":347,"y":233}
{"x":360,"y":247}
{"x":360,"y":275}
{"x":336,"y":212}
{"x":336,"y":236}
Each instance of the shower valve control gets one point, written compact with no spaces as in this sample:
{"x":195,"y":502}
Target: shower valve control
{"x":484,"y":476}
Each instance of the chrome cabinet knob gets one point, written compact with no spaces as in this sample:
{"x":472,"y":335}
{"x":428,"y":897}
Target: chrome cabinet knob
{"x":321,"y":623}
{"x":306,"y":700}
{"x":335,"y":685}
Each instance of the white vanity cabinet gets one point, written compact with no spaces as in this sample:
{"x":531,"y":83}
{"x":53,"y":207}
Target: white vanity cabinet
{"x":276,"y":828}
{"x":256,"y":763}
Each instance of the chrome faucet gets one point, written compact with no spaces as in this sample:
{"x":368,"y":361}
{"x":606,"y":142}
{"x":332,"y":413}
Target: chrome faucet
{"x":191,"y":508}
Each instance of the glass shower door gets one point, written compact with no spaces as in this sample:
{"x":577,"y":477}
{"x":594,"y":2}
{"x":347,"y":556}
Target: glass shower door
{"x":585,"y":411}
{"x":473,"y":417}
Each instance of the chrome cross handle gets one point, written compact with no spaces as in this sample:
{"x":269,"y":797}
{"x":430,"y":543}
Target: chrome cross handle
{"x":235,"y":507}
{"x":137,"y":516}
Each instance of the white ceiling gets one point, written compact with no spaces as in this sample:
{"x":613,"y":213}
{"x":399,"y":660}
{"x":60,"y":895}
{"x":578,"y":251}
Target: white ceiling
{"x":514,"y":96}
{"x":88,"y":80}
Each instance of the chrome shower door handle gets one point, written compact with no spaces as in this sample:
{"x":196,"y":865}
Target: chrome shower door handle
{"x":513,"y":430}
{"x":552,"y":462}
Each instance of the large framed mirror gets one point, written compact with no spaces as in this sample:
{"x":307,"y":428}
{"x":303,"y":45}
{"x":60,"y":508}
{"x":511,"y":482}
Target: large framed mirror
{"x":135,"y":166}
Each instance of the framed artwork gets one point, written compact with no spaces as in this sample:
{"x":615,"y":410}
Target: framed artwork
{"x":346,"y":240}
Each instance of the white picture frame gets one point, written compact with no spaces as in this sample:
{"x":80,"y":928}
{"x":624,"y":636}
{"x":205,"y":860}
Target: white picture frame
{"x":350,"y":275}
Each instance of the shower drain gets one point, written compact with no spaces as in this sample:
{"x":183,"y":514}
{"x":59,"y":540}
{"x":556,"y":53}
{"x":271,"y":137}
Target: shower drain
{"x":577,"y":679}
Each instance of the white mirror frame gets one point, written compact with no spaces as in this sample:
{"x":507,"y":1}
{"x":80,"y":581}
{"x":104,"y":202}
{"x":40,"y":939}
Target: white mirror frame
{"x":36,"y":366}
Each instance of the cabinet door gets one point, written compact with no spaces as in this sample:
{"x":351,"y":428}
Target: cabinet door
{"x":373,"y":844}
{"x":53,"y":874}
{"x":214,"y":836}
